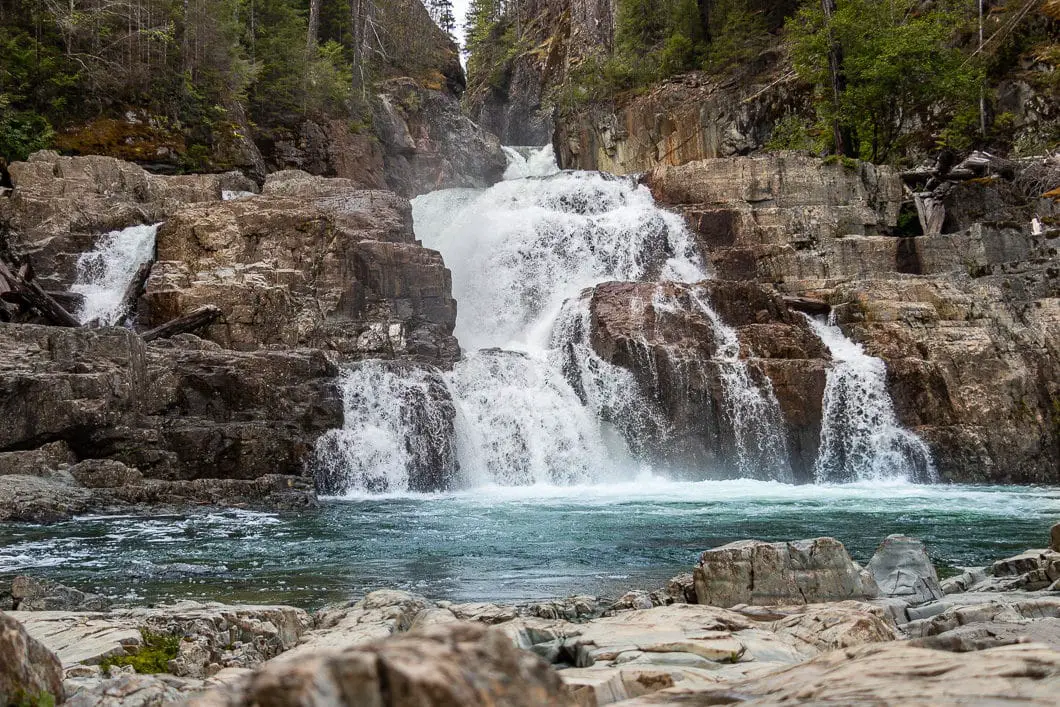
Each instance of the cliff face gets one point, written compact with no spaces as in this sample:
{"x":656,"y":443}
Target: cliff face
{"x":967,"y":321}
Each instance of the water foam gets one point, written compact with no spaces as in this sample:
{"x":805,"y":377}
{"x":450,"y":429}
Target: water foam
{"x":105,"y":273}
{"x":861,"y":438}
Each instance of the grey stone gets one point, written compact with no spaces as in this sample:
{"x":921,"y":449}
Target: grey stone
{"x":28,"y":670}
{"x":801,"y":572}
{"x":902,"y":569}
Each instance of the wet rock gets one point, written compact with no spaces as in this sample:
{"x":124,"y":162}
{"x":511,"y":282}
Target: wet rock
{"x":174,"y":410}
{"x":105,"y":473}
{"x":1054,"y":538}
{"x":34,"y":500}
{"x":43,"y":461}
{"x":31,"y":594}
{"x":29,"y":672}
{"x":760,"y":573}
{"x":462,"y":665}
{"x":61,"y":206}
{"x":902,"y":569}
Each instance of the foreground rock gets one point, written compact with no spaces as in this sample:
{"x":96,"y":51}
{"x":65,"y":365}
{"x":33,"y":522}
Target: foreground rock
{"x":29,"y":672}
{"x":460,"y":665}
{"x":802,"y":572}
{"x":894,"y":674}
{"x":902,"y":569}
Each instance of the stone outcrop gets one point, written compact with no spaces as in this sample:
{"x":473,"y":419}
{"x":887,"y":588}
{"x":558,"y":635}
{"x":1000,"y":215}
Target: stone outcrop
{"x":310,"y":263}
{"x":760,"y":573}
{"x":428,"y":143}
{"x":61,"y":206}
{"x":690,"y":117}
{"x":902,"y":569}
{"x":180,"y":409}
{"x":29,"y":594}
{"x":29,"y":672}
{"x":458,"y":665}
{"x":965,"y":321}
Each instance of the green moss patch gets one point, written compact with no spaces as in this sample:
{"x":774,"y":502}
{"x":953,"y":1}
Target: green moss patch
{"x":153,"y":657}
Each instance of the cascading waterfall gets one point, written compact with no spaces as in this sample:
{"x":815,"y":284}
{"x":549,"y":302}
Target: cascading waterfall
{"x":861,"y":439}
{"x":752,"y":410}
{"x":105,"y":273}
{"x":397,"y":433}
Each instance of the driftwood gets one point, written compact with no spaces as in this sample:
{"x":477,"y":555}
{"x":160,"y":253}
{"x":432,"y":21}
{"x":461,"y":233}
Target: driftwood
{"x":136,"y":286}
{"x":189,"y":322}
{"x":19,"y":285}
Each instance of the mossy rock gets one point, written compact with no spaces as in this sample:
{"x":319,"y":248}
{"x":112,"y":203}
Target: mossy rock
{"x":153,"y":657}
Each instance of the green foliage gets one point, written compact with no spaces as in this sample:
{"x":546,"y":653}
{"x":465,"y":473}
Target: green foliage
{"x":22,"y":699}
{"x":22,"y":132}
{"x":904,"y":77}
{"x":153,"y":657}
{"x":738,"y":35}
{"x":792,"y":132}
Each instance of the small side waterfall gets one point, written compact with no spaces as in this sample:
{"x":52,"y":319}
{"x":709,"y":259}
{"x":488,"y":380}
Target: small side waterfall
{"x":397,"y":432}
{"x":104,"y":274}
{"x":861,"y":439}
{"x":751,"y":409}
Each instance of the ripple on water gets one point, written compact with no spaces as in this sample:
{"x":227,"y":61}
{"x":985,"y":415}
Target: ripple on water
{"x":508,"y":544}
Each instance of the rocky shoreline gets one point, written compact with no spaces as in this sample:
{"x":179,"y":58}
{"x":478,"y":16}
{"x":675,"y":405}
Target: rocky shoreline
{"x":763,"y":623}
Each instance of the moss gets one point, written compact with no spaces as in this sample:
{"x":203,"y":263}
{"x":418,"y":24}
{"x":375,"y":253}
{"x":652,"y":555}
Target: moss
{"x":23,"y":699}
{"x":947,"y":571}
{"x":153,"y":657}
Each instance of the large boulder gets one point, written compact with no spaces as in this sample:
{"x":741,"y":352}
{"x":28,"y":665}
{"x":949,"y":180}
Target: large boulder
{"x":31,"y":594}
{"x":761,"y":573}
{"x":453,"y":665}
{"x":29,"y":672}
{"x":902,"y":569}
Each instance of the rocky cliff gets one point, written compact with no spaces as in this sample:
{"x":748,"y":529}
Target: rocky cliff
{"x":965,"y":320}
{"x":308,"y":274}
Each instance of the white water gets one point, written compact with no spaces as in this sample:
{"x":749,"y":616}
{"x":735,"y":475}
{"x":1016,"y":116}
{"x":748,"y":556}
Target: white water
{"x":103,"y":274}
{"x":396,"y":424}
{"x":861,"y":438}
{"x":751,"y":408}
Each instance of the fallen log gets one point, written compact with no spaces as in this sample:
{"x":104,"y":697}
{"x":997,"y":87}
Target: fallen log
{"x":136,"y":286}
{"x":197,"y":319}
{"x":21,"y":284}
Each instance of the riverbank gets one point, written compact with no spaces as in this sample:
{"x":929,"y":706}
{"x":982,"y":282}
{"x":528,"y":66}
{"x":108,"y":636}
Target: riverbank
{"x":780,"y":616}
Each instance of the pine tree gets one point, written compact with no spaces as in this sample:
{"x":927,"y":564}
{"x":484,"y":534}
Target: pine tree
{"x":442,"y":14}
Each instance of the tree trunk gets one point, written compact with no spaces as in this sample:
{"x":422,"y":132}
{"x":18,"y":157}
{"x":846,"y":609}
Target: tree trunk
{"x":192,"y":321}
{"x":21,"y":284}
{"x":840,"y":132}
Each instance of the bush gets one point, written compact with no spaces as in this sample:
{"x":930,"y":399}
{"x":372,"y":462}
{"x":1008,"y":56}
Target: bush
{"x":738,"y":35}
{"x":22,"y":132}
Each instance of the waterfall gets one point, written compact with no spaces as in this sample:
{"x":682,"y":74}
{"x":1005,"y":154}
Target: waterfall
{"x":751,"y":409}
{"x":524,"y":162}
{"x":105,"y":273}
{"x":397,"y":432}
{"x":861,"y":439}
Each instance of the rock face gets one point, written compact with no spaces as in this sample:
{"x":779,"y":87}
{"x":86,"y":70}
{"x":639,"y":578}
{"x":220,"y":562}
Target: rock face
{"x":759,"y":573}
{"x":178,"y":409}
{"x":902,"y":569}
{"x":1054,"y":538}
{"x":459,"y":665}
{"x":690,"y":117}
{"x":662,"y":334}
{"x":29,"y":672}
{"x":61,"y":206}
{"x":966,"y":322}
{"x":311,"y":263}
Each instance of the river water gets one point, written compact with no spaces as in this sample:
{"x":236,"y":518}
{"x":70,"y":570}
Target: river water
{"x":536,"y":440}
{"x":507,"y":543}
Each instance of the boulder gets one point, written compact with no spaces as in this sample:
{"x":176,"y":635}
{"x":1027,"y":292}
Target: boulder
{"x":105,"y":473}
{"x":760,"y":573}
{"x":29,"y":672}
{"x":32,"y":499}
{"x":457,"y":665}
{"x":1054,"y":538}
{"x":30,"y":594}
{"x":902,"y":569}
{"x":43,"y":461}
